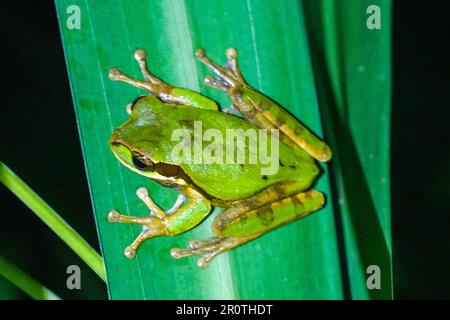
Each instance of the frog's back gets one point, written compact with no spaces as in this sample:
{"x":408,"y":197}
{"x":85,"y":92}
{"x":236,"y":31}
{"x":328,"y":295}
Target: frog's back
{"x":226,"y":180}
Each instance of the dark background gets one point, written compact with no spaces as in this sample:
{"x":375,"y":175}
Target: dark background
{"x":39,"y":141}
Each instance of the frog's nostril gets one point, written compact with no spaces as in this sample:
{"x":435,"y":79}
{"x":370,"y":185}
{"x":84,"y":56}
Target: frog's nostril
{"x":114,"y":139}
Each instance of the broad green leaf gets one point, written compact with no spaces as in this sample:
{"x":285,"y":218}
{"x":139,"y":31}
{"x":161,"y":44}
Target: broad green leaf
{"x":353,"y":68}
{"x":300,"y":260}
{"x":297,"y":261}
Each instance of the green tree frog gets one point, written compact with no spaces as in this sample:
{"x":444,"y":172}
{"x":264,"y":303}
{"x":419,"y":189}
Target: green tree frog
{"x":253,"y":203}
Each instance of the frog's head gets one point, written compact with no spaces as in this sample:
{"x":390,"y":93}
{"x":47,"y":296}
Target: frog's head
{"x":136,"y":144}
{"x":128,"y":151}
{"x":138,"y":159}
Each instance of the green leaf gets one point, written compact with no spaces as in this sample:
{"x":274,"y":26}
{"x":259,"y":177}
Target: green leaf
{"x":52,"y":220}
{"x":25,"y":282}
{"x":298,"y":261}
{"x":353,"y":68}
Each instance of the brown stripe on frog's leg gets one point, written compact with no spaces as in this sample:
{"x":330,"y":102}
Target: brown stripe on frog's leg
{"x":269,"y":195}
{"x":250,"y":225}
{"x":266,"y":114}
{"x":266,"y":214}
{"x":271,"y":216}
{"x":261,"y":110}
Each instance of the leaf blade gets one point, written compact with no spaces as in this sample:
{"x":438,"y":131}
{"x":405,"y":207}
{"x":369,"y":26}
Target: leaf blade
{"x":354,"y":70}
{"x":297,"y":261}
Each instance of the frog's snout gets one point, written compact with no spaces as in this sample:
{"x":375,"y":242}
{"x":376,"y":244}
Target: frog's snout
{"x":113,"y":140}
{"x":117,"y":138}
{"x":116,"y":142}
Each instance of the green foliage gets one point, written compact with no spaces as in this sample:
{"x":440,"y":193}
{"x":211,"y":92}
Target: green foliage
{"x":300,"y":260}
{"x":353,"y":69}
{"x":24,"y":282}
{"x":52,"y":219}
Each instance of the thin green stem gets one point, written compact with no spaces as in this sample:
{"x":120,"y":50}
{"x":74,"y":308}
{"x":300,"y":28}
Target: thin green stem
{"x":24,"y":282}
{"x":53,"y":220}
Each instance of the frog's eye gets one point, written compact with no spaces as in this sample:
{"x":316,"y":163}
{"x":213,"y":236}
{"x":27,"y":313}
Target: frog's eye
{"x":142,"y":164}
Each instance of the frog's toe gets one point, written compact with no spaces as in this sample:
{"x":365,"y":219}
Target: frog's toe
{"x":178,"y":253}
{"x":209,"y":248}
{"x":129,"y":252}
{"x":197,"y":244}
{"x":227,"y":75}
{"x":211,"y":82}
{"x":113,"y":216}
{"x":195,"y":248}
{"x":231,"y":53}
{"x":147,"y":233}
{"x":233,"y":66}
{"x":142,"y":193}
{"x":203,"y":261}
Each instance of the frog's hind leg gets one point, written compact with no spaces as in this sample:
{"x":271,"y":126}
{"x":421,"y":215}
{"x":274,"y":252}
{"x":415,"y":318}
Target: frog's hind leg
{"x":261,"y":110}
{"x":164,"y":91}
{"x":233,"y":229}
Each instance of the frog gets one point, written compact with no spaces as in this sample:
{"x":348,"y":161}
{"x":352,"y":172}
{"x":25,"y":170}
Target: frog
{"x":253,"y":204}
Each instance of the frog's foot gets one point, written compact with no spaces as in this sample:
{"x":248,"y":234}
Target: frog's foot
{"x":209,"y":248}
{"x":162,"y":90}
{"x":153,"y":226}
{"x":227,"y":76}
{"x":153,"y":84}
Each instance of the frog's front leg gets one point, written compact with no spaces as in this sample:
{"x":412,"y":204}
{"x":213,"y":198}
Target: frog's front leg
{"x":236,"y":226}
{"x":184,"y":216}
{"x":164,"y":91}
{"x":261,"y":110}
